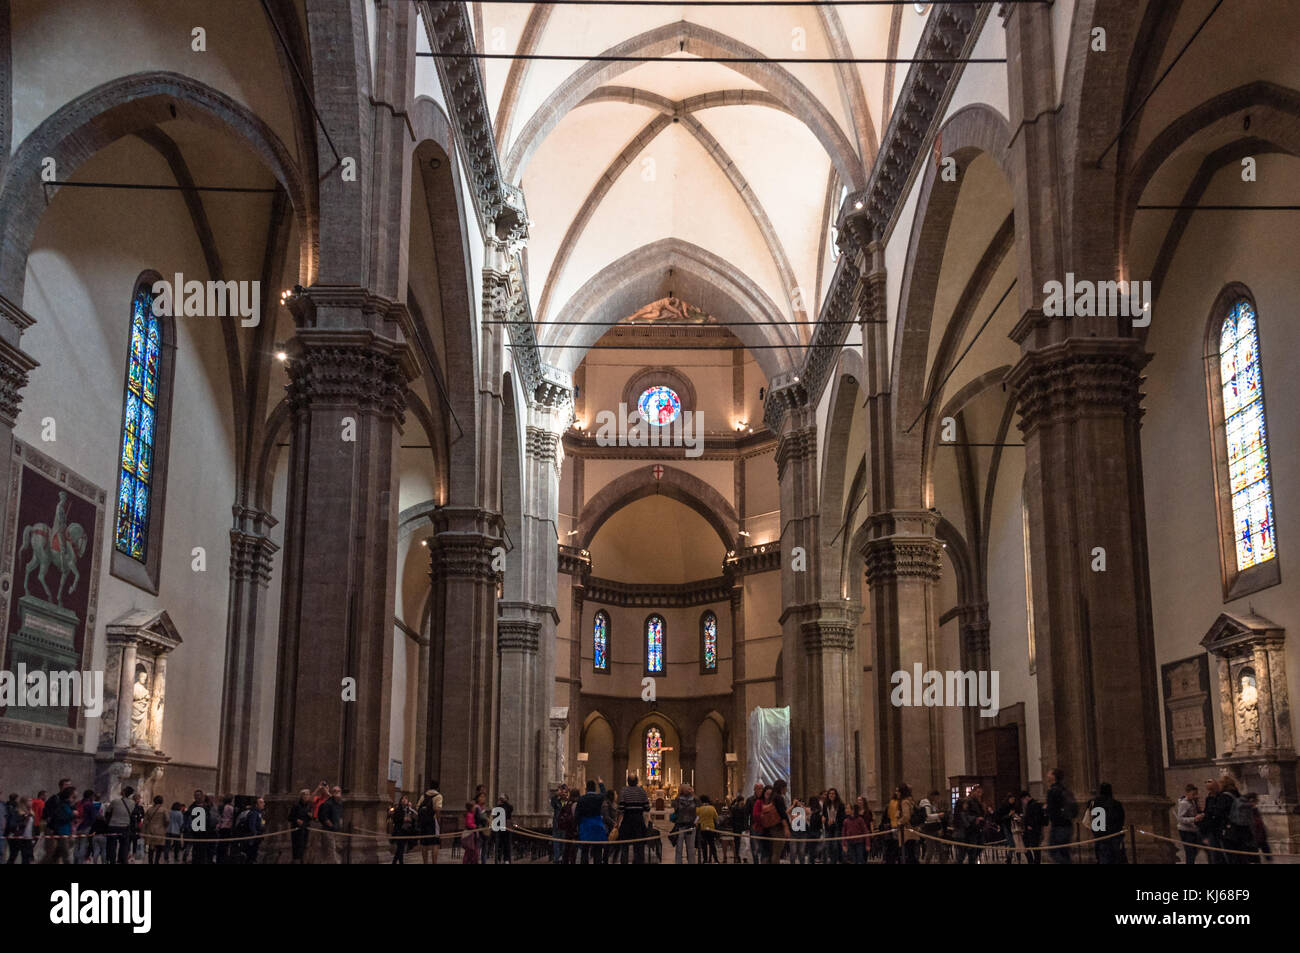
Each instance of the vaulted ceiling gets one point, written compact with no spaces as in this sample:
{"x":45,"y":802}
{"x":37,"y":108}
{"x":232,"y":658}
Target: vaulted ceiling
{"x":716,"y":182}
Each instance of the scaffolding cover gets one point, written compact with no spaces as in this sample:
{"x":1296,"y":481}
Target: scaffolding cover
{"x":769,"y":746}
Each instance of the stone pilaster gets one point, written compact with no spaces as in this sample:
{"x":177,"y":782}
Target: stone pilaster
{"x":830,"y":662}
{"x":251,"y":556}
{"x":463,"y":660}
{"x":348,"y":371}
{"x":1080,"y":405}
{"x":796,"y":471}
{"x":973,"y":629}
{"x":741,"y":690}
{"x":902,"y":568}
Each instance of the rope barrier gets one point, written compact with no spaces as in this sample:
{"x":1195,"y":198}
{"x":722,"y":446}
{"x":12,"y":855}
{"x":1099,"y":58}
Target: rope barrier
{"x":1204,"y":846}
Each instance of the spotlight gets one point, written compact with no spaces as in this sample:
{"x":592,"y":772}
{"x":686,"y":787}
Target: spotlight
{"x":858,"y":205}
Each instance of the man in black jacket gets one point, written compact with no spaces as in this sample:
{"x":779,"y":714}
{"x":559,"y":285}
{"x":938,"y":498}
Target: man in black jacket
{"x":1062,"y":809}
{"x":1033,"y":820}
{"x":1106,"y":817}
{"x":1212,"y":821}
{"x":588,"y":814}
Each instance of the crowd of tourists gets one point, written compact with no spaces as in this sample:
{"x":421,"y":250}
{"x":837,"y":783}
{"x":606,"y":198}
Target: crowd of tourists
{"x":600,"y":826}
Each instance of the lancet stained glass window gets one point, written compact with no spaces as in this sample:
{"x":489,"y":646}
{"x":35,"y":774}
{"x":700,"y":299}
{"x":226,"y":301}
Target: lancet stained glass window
{"x":600,"y":642}
{"x":654,"y":758}
{"x":1247,"y":441}
{"x":654,"y":645}
{"x":135,"y":476}
{"x":659,"y":405}
{"x":710,"y":648}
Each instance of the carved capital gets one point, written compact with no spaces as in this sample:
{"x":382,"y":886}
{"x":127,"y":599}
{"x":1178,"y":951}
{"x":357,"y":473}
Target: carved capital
{"x":795,"y":446}
{"x":463,"y":555}
{"x":251,"y":556}
{"x":351,"y":369}
{"x":542,"y":444}
{"x":14,"y":369}
{"x":1079,"y":377}
{"x":902,"y":557}
{"x":518,"y":635}
{"x":823,"y":636}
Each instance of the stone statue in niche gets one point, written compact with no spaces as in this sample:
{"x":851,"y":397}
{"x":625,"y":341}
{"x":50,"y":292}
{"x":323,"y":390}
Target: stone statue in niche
{"x":140,"y":704}
{"x":1248,"y":708}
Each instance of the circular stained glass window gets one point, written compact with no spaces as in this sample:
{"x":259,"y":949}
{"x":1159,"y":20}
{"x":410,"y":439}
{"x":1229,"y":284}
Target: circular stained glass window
{"x":659,"y":405}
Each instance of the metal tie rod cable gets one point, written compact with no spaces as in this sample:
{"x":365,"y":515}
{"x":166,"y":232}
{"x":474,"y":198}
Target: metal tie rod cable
{"x":793,"y":61}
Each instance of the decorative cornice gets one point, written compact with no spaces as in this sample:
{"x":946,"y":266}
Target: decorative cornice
{"x":500,"y":206}
{"x":902,"y":557}
{"x":868,"y":215}
{"x":1079,"y":377}
{"x":698,"y":593}
{"x":721,"y":446}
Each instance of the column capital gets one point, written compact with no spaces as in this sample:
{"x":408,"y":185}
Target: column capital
{"x":973,"y":621}
{"x":900,"y":557}
{"x":518,"y":635}
{"x":822,"y":635}
{"x":251,"y":555}
{"x":795,"y":445}
{"x":15,"y":366}
{"x":1093,"y":377}
{"x":352,"y":367}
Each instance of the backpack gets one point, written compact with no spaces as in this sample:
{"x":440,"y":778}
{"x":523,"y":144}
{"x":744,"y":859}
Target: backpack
{"x":918,"y":816}
{"x":241,"y":827}
{"x":769,"y":816}
{"x":1241,"y":815}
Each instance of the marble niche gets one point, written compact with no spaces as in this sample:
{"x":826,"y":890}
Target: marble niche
{"x":1257,"y":746}
{"x":135,"y":685}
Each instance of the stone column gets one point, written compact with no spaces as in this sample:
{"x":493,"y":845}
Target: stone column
{"x":975,"y":656}
{"x":739,"y":683}
{"x":125,"y":695}
{"x":1267,"y":732}
{"x":796,"y":463}
{"x":348,"y":371}
{"x":463,"y":670}
{"x":157,"y":697}
{"x":1080,"y":404}
{"x":830,"y":660}
{"x":902,"y":569}
{"x":1227,"y":707}
{"x":528,"y":675}
{"x":251,"y":553}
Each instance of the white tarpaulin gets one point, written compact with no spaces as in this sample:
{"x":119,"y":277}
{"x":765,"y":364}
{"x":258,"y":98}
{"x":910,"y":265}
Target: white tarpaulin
{"x":769,"y":746}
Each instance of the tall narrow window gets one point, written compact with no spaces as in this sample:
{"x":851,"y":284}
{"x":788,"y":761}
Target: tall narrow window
{"x":1247,"y":534}
{"x":654,"y":645}
{"x":600,"y":642}
{"x":708,"y":643}
{"x":654,"y":755}
{"x":137,"y":527}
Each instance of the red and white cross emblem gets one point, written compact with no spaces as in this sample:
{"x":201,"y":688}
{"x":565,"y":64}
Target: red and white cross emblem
{"x":658,"y":471}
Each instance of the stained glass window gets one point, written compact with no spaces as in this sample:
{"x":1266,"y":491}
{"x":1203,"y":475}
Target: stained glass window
{"x":654,"y":755}
{"x":659,"y":405}
{"x":709,"y":651}
{"x":600,"y":642}
{"x":135,"y":468}
{"x":654,"y":645}
{"x":1247,"y":442}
